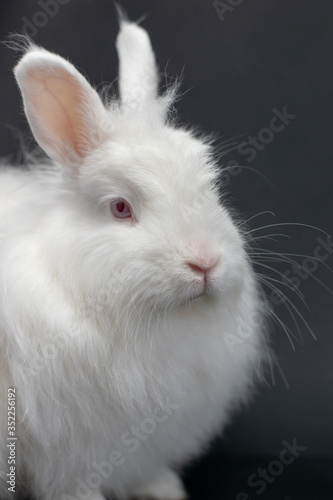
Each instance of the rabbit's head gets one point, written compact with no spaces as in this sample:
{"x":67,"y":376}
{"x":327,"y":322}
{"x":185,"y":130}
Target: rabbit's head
{"x":144,"y":191}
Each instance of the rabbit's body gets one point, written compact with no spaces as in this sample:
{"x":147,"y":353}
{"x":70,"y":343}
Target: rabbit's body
{"x":116,"y":333}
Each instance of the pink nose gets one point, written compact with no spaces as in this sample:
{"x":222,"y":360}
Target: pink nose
{"x":199,"y":257}
{"x":202,"y":266}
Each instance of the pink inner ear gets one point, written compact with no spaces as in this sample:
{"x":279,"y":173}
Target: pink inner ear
{"x":58,"y":103}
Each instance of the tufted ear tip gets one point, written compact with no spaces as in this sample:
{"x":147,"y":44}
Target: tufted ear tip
{"x":121,"y":13}
{"x":138,"y":76}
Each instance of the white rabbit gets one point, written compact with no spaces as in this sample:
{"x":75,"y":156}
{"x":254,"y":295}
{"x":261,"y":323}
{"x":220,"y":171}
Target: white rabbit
{"x":123,"y":279}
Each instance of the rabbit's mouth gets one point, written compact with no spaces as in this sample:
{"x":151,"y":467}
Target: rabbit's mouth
{"x":205,"y":287}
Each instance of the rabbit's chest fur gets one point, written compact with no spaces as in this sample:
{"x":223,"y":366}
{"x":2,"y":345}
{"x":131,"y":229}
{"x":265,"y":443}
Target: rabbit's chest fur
{"x":156,"y":409}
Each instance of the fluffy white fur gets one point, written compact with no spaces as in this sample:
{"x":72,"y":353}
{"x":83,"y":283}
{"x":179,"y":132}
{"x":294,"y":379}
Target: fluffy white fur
{"x":104,"y":325}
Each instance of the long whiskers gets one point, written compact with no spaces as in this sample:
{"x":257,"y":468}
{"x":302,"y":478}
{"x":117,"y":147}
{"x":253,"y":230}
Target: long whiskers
{"x":263,"y":259}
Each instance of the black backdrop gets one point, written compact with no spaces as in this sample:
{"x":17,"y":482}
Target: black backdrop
{"x":244,"y":63}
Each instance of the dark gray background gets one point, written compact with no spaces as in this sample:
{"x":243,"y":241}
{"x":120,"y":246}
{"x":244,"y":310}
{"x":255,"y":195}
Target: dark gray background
{"x":262,"y":55}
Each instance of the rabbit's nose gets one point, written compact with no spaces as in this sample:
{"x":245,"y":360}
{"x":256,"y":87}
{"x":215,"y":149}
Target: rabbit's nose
{"x":199,"y":257}
{"x":202,"y":265}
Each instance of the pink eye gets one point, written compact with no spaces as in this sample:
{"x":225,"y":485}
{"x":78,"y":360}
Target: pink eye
{"x":121,"y":209}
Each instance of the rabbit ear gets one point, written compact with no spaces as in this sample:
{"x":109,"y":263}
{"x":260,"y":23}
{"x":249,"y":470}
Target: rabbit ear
{"x":138,"y":79}
{"x":65,"y":113}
